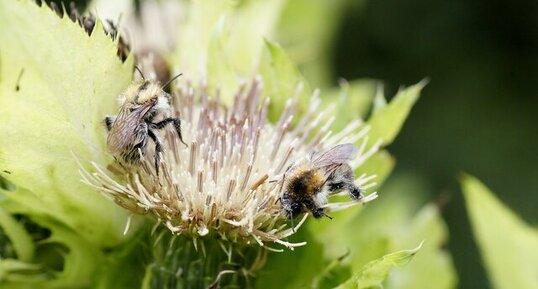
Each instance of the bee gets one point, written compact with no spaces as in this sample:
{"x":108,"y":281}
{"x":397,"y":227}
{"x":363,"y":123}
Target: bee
{"x":145,"y":107}
{"x":307,"y":185}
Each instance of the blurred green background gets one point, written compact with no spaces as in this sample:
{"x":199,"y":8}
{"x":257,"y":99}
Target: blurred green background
{"x":479,"y":112}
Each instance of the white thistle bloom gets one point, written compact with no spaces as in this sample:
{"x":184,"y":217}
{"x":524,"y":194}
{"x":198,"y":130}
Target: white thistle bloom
{"x":227,"y":183}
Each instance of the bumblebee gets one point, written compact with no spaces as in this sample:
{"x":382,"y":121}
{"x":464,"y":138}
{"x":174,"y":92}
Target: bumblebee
{"x":145,"y":108}
{"x":308,"y":185}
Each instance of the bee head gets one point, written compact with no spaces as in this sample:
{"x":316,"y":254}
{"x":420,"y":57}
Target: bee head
{"x":148,"y":92}
{"x":293,"y":209}
{"x":296,"y":209}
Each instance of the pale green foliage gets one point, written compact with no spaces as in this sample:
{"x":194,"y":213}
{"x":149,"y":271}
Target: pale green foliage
{"x":345,"y":244}
{"x":56,"y":85}
{"x":64,"y":246}
{"x":352,"y":100}
{"x":281,"y":79}
{"x":387,"y":120}
{"x":223,"y":40}
{"x":394,"y":222}
{"x":374,"y":273}
{"x":428,"y":225}
{"x":68,"y":82}
{"x":380,"y":164}
{"x":308,"y":30}
{"x":23,"y":245}
{"x":509,"y":247}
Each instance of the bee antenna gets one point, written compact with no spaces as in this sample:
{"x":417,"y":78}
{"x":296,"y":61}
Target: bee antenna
{"x":140,"y":71}
{"x":170,"y":81}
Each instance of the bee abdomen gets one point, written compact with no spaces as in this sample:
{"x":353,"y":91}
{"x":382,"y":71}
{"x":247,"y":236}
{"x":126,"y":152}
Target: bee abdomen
{"x":308,"y":182}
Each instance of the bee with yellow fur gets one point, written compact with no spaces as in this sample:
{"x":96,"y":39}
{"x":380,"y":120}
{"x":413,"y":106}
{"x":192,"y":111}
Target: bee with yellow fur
{"x":308,"y":185}
{"x":145,"y":107}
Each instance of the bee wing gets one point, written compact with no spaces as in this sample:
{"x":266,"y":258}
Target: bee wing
{"x":335,"y":156}
{"x":123,"y":131}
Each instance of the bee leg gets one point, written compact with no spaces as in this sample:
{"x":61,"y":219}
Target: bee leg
{"x":317,"y":212}
{"x":355,"y":192}
{"x":336,"y":187}
{"x":175,"y":121}
{"x":158,"y":150}
{"x":109,"y":120}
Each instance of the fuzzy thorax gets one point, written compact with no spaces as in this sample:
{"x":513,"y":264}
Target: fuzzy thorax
{"x":228,"y":182}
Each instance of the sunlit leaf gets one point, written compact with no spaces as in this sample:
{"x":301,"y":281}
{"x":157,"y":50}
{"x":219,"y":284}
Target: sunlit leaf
{"x":229,"y":40}
{"x":352,"y":99}
{"x":381,"y":165}
{"x":379,"y":100}
{"x":308,"y":29}
{"x":281,"y":79}
{"x":374,"y":273}
{"x":509,"y":247}
{"x":426,"y":225}
{"x":57,"y":85}
{"x":389,"y":224}
{"x":386,"y":122}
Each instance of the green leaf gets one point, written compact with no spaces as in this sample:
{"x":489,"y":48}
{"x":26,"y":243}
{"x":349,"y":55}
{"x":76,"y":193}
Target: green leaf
{"x":374,"y":273}
{"x":57,"y":85}
{"x":308,"y":29}
{"x":220,"y":71}
{"x":508,"y":246}
{"x":304,"y":263}
{"x":14,"y":273}
{"x":281,"y":79}
{"x":379,"y":100}
{"x":392,"y":222}
{"x":124,"y":267}
{"x":353,"y":100}
{"x":381,"y":165}
{"x":18,"y":237}
{"x":426,"y":225}
{"x":61,"y":260}
{"x":79,"y":262}
{"x":228,"y":41}
{"x":387,"y":121}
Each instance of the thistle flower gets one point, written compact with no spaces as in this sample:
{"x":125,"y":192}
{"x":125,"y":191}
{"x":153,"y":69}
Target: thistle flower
{"x":216,"y":202}
{"x":228,"y":182}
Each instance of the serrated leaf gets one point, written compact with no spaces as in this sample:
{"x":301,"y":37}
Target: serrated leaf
{"x":374,"y":273}
{"x":57,"y":84}
{"x":386,"y":122}
{"x":508,"y":246}
{"x":379,"y":100}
